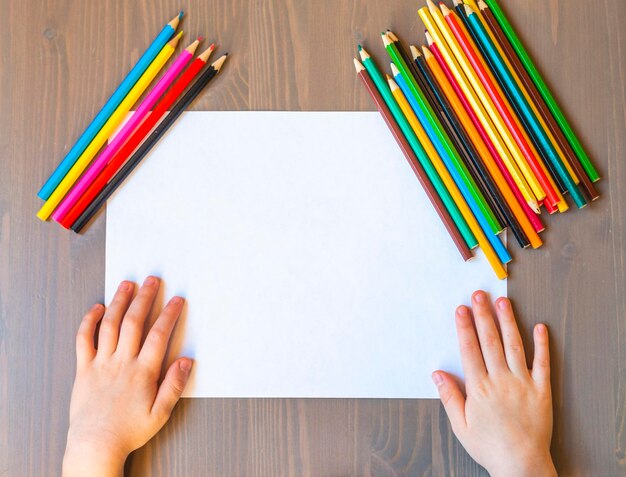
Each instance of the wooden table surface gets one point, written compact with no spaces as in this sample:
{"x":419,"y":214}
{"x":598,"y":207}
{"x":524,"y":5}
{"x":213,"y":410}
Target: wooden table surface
{"x":60,"y":61}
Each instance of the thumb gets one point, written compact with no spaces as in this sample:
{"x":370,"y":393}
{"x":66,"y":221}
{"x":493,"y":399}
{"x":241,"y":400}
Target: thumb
{"x":452,"y":399}
{"x":171,"y":388}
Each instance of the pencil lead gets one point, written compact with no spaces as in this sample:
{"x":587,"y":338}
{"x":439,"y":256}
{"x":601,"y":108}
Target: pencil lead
{"x":444,"y":9}
{"x":394,"y":70}
{"x":429,"y":39}
{"x":358,"y":66}
{"x":364,"y":54}
{"x":200,"y":38}
{"x":392,"y":36}
{"x":204,"y":56}
{"x":468,"y":10}
{"x":220,"y":61}
{"x":415,"y":52}
{"x":359,"y":47}
{"x":427,"y":53}
{"x":482,"y":5}
{"x":386,"y":40}
{"x":181,"y":14}
{"x":174,"y":41}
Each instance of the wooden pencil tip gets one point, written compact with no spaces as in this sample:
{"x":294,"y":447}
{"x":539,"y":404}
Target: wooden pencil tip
{"x":457,"y":2}
{"x":192,"y":47}
{"x":386,"y":40}
{"x":414,"y":51}
{"x":426,"y":51}
{"x":174,"y":41}
{"x":364,"y":54}
{"x":217,"y":64}
{"x":468,"y":10}
{"x":392,"y":36}
{"x":431,"y":6}
{"x":204,"y":56}
{"x":358,"y":66}
{"x":175,"y":21}
{"x":444,"y":9}
{"x":482,"y":5}
{"x":394,"y":70}
{"x":392,"y":84}
{"x":429,"y":39}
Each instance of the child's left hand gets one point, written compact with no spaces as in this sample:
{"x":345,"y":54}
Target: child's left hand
{"x":117,"y":402}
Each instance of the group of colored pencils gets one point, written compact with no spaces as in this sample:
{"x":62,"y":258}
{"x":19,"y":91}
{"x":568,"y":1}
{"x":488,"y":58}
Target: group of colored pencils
{"x":479,"y":128}
{"x":82,"y":182}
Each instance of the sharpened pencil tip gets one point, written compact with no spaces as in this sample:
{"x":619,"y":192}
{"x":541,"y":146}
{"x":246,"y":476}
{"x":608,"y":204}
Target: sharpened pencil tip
{"x":394,"y":70}
{"x":431,"y":5}
{"x":392,"y":36}
{"x":358,"y":66}
{"x":482,"y":5}
{"x":444,"y":9}
{"x":180,"y":15}
{"x":429,"y":39}
{"x":457,"y":2}
{"x":414,"y":51}
{"x":468,"y":10}
{"x":359,"y":47}
{"x":386,"y":40}
{"x":199,"y":39}
{"x":217,"y":64}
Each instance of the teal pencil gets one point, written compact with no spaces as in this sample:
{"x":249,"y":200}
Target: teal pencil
{"x":521,"y":105}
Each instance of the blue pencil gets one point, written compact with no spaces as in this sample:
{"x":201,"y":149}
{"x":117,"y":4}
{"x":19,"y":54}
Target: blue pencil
{"x":110,"y":106}
{"x":495,"y":242}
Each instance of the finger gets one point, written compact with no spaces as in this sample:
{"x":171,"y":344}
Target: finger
{"x":85,"y":336}
{"x":132,"y":326}
{"x":155,"y":346}
{"x":541,"y":361}
{"x":110,"y":326}
{"x":471,"y":357}
{"x":452,"y":399}
{"x":171,"y":388}
{"x":490,"y":343}
{"x":513,"y":346}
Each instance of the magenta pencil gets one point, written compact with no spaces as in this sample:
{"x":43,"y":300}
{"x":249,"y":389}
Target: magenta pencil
{"x":119,"y":140}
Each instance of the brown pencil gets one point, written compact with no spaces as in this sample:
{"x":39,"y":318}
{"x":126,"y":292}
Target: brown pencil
{"x":413,"y":161}
{"x":536,"y":97}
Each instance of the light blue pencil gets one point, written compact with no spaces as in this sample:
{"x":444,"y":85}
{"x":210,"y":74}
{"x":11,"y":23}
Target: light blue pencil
{"x":114,"y":101}
{"x":495,"y":242}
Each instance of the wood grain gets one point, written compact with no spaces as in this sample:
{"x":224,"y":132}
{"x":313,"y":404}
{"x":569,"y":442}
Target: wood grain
{"x":59,"y":62}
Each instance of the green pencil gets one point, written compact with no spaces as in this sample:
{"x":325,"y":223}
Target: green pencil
{"x":543,"y":89}
{"x":434,"y":178}
{"x":442,"y":136}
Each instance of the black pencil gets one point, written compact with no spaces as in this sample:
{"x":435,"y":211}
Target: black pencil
{"x":149,"y":143}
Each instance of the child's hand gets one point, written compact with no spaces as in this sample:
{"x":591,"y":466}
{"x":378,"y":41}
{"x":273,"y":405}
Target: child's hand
{"x":117,"y":403}
{"x":505,"y":422}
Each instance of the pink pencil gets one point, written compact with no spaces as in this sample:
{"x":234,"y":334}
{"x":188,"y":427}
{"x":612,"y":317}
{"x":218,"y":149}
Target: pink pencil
{"x":119,"y":140}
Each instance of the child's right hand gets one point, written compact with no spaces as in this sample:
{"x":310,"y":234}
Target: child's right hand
{"x":504,"y":420}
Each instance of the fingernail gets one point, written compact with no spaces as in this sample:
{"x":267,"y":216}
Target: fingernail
{"x":124,"y":286}
{"x":503,"y":303}
{"x":176,"y":300}
{"x":149,"y":281}
{"x":479,"y":297}
{"x":437,"y":379}
{"x":541,"y":329}
{"x":462,"y":311}
{"x":97,"y":306}
{"x":185,"y":365}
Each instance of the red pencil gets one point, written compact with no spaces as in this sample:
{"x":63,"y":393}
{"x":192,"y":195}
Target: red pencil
{"x":474,"y":57}
{"x":530,"y":213}
{"x":133,"y":142}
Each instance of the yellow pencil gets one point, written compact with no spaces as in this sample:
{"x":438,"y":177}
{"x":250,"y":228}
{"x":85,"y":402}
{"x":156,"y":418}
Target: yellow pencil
{"x":109,"y":127}
{"x":434,"y":35}
{"x":480,"y":146}
{"x":483,"y":242}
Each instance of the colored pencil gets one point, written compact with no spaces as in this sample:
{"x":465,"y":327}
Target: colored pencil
{"x":442,"y":142}
{"x":456,"y":135}
{"x":499,"y":102}
{"x":150,"y":141}
{"x":413,"y":161}
{"x":135,"y":120}
{"x":543,"y":161}
{"x":116,"y":98}
{"x":543,"y":110}
{"x":526,"y":217}
{"x":543,"y":89}
{"x":522,"y":106}
{"x":483,"y":241}
{"x":109,"y":127}
{"x":450,"y":164}
{"x":481,"y":113}
{"x":417,"y":148}
{"x":494,"y":192}
{"x":135,"y":139}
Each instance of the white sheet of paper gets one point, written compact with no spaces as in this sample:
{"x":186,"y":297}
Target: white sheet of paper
{"x":312,"y":261}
